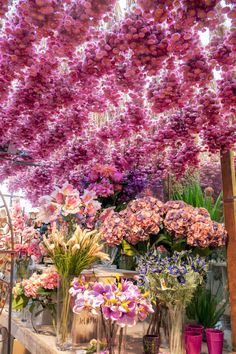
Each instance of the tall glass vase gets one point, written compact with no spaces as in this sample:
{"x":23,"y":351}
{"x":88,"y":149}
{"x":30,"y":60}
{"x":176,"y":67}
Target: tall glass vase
{"x":64,"y":315}
{"x":113,"y":337}
{"x":176,"y":319}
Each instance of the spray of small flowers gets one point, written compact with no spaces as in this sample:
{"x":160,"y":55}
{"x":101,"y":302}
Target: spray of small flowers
{"x":173,"y":281}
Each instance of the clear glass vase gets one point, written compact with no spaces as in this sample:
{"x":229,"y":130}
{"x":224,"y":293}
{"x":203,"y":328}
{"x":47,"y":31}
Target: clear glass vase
{"x":112,"y":337}
{"x":64,"y":315}
{"x":43,"y":318}
{"x":176,"y":320}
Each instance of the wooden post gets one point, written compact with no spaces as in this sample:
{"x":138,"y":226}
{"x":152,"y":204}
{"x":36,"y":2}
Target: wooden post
{"x":229,"y":193}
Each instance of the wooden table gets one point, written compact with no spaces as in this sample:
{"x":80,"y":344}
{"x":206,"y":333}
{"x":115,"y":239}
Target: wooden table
{"x":42,"y":344}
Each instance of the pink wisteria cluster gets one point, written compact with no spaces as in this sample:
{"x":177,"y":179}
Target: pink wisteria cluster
{"x":64,"y":61}
{"x":145,"y":217}
{"x":121,"y":302}
{"x":66,"y":202}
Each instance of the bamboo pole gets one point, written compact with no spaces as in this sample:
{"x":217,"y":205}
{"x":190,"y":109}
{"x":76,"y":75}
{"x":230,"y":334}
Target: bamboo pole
{"x":229,"y":193}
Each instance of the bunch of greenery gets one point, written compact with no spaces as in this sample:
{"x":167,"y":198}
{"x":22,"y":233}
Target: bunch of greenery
{"x":194,"y":196}
{"x":205,"y":308}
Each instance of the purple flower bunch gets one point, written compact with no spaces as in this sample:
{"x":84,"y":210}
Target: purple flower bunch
{"x":121,"y":302}
{"x":171,"y":278}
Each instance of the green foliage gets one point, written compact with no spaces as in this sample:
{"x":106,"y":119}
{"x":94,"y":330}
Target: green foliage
{"x":205,"y":308}
{"x":163,"y":239}
{"x":194,"y":196}
{"x":20,"y":302}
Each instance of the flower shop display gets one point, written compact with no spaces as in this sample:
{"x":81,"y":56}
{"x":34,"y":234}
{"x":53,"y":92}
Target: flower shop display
{"x":107,"y":99}
{"x":71,"y":256}
{"x":39,"y":294}
{"x":119,"y":304}
{"x":173,"y":280}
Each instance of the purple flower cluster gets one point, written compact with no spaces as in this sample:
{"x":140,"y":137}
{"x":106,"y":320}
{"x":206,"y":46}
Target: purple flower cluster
{"x":121,"y":302}
{"x":171,"y":278}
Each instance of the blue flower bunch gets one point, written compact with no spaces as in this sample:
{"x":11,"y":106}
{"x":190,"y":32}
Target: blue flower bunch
{"x":171,"y":277}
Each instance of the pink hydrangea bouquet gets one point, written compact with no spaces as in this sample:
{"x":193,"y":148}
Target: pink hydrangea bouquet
{"x":120,"y":304}
{"x":39,"y":289}
{"x":148,"y":222}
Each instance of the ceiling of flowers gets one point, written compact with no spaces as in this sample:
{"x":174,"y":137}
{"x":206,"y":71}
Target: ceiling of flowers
{"x":83,"y":83}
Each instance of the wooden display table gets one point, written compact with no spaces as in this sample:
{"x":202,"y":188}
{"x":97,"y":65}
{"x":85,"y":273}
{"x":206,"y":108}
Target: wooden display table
{"x":29,"y":342}
{"x":41,"y":344}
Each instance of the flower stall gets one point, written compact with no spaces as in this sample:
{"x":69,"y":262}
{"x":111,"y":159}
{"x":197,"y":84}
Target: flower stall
{"x":117,"y":124}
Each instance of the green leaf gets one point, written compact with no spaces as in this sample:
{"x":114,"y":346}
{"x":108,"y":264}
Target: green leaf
{"x":128,"y":249}
{"x":31,"y":308}
{"x":20,"y":302}
{"x":44,"y":292}
{"x":163,"y":238}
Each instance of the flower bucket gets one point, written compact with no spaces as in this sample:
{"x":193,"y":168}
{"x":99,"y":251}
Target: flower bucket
{"x":151,"y":344}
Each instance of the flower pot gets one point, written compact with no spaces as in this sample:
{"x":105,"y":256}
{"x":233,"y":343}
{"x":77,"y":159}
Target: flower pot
{"x":193,"y":342}
{"x":215,"y":340}
{"x":151,"y":344}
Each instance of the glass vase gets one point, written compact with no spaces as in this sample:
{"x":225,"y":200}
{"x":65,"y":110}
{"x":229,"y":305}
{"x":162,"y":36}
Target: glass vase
{"x":43,"y":318}
{"x":112,"y":337}
{"x":84,"y":331}
{"x":127,"y":262}
{"x":176,"y":320}
{"x":64,"y":315}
